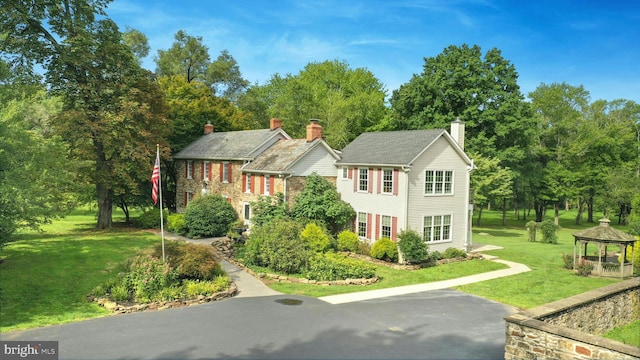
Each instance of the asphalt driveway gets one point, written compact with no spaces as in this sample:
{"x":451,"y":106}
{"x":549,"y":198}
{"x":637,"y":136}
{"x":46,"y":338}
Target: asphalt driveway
{"x":439,"y":324}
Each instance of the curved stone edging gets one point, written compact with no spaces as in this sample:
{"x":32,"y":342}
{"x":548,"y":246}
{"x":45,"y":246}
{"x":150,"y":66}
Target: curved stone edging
{"x":128,"y":307}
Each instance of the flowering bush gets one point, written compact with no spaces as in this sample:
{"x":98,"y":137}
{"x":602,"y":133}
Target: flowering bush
{"x":147,"y":276}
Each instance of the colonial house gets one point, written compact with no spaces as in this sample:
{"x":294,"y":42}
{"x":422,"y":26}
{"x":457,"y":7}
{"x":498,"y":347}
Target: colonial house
{"x":213,"y":163}
{"x":285,"y":165}
{"x":417,"y":179}
{"x":244,"y":165}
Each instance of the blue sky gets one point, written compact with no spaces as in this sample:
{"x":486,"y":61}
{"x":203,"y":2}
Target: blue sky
{"x":591,"y":43}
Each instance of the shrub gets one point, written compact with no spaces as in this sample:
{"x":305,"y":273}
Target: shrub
{"x":176,"y":224}
{"x":364,"y":248}
{"x":330,"y":266}
{"x":548,"y":229}
{"x":147,"y":276}
{"x":348,"y":241}
{"x":195,"y":288}
{"x":636,"y":257}
{"x":413,"y":248}
{"x":208,"y":216}
{"x":532,"y":226}
{"x":385,"y":249}
{"x":453,"y":253}
{"x":150,"y":219}
{"x":277,"y":246}
{"x":584,"y":268}
{"x":120,"y":293}
{"x":197,"y":263}
{"x":316,"y":238}
{"x":567,"y":260}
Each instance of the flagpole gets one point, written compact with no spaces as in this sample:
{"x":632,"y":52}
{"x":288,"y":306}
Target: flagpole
{"x":161,"y":210}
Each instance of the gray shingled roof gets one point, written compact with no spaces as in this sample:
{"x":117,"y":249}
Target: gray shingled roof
{"x":604,"y":232}
{"x":388,"y":147}
{"x":232,"y":145}
{"x":281,"y":156}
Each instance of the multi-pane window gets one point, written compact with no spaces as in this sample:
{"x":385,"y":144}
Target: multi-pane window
{"x":385,"y":226}
{"x":363,"y":179}
{"x":387,"y":181}
{"x":362,"y":224}
{"x":438,"y":182}
{"x":248,"y":183}
{"x":267,"y":184}
{"x":437,"y":228}
{"x":206,"y":168}
{"x":187,"y":198}
{"x":345,"y":173}
{"x":189,"y":169}
{"x":225,"y":172}
{"x":247,"y":211}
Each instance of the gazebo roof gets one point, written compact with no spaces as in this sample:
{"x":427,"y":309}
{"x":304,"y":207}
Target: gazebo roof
{"x":604,"y":232}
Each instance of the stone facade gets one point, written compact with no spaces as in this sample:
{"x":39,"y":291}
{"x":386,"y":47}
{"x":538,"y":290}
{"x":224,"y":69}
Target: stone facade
{"x":570,"y":328}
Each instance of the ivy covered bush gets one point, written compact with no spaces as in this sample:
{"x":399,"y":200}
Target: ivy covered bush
{"x":208,"y":216}
{"x":331,"y":266}
{"x":414,"y":249}
{"x":385,"y":249}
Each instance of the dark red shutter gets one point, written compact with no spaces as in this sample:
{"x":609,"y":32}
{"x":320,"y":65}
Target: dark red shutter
{"x":396,"y":174}
{"x":369,"y":218}
{"x":377,"y":226}
{"x":202,"y":171}
{"x":230,"y":166}
{"x":394,"y":228}
{"x":244,"y":182}
{"x":261,"y":184}
{"x":271,"y":184}
{"x":221,"y":172}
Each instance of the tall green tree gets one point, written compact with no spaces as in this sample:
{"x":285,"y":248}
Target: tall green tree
{"x":112,"y":116}
{"x":346,"y":101}
{"x":480,"y":89}
{"x":491,"y":184}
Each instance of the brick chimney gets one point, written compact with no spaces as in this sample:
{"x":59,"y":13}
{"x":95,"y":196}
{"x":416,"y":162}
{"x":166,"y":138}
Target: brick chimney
{"x":314,"y":130}
{"x":457,"y":131}
{"x":275,"y":123}
{"x":208,"y":128}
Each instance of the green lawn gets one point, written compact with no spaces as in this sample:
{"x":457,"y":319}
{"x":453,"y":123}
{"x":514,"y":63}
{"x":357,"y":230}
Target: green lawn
{"x":548,"y":281}
{"x":629,"y":334}
{"x":46,"y":276}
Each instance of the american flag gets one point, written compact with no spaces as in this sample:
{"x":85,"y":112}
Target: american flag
{"x":155,"y":179}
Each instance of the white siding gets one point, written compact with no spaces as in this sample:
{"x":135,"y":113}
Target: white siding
{"x":318,"y":160}
{"x":372,"y":202}
{"x":440,"y":156}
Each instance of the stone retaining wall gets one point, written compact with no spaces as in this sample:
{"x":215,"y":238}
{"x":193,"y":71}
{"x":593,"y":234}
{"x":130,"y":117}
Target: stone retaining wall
{"x":571,"y":328}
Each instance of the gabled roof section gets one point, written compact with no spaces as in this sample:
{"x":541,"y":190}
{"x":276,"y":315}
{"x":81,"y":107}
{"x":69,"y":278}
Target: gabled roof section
{"x":232,"y":145}
{"x":393,"y":148}
{"x":282,"y":156}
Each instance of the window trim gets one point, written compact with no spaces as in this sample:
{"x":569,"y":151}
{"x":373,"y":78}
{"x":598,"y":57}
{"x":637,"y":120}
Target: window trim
{"x":225,"y":172}
{"x":358,"y":222}
{"x":247,"y":183}
{"x":267,"y":185}
{"x":381,"y":226}
{"x":443,"y":183}
{"x":206,"y":170}
{"x":366,"y":180}
{"x":441,"y":227}
{"x":189,"y":169}
{"x":385,"y":181}
{"x":345,"y":173}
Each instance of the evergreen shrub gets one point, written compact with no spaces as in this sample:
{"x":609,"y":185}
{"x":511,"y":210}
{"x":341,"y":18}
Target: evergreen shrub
{"x":176,"y":224}
{"x":348,"y":241}
{"x":453,"y":253}
{"x":385,"y":249}
{"x":316,"y":238}
{"x":414,"y":249}
{"x":277,"y":246}
{"x":150,"y":219}
{"x":209,"y":216}
{"x":548,"y":229}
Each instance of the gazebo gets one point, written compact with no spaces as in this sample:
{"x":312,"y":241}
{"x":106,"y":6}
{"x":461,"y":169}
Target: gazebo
{"x":605,"y":263}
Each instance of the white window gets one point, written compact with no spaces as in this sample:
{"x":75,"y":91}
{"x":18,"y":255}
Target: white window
{"x":437,"y":228}
{"x":187,"y":198}
{"x":267,"y":184}
{"x":345,"y":173}
{"x":385,"y":226}
{"x":247,"y":186}
{"x":438,"y":182}
{"x":225,"y":172}
{"x":363,"y":179}
{"x":387,"y":181}
{"x":206,"y":168}
{"x":189,"y":169}
{"x":362,"y":224}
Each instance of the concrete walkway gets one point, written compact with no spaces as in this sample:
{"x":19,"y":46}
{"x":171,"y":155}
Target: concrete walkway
{"x":249,"y":286}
